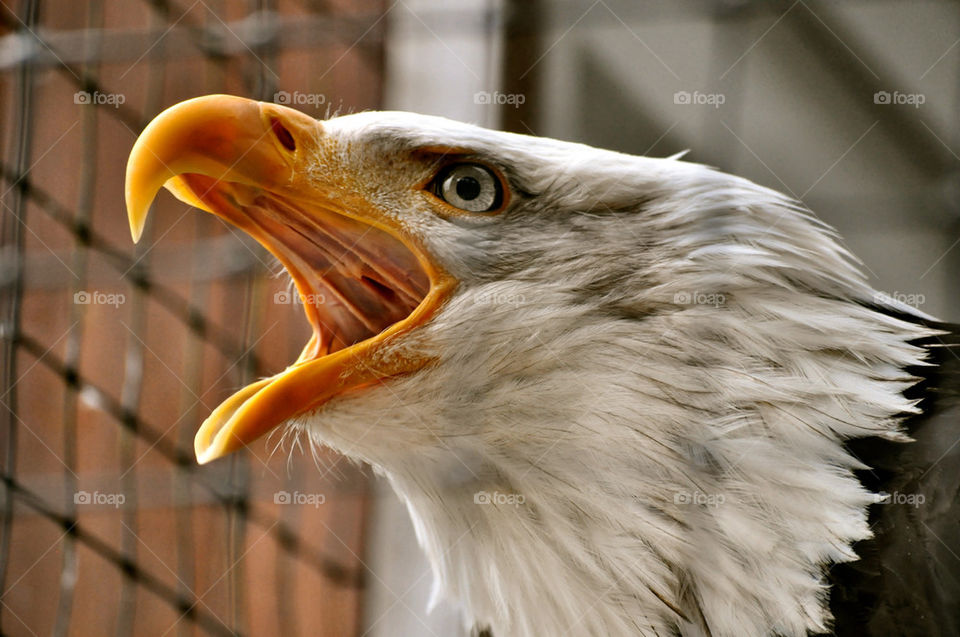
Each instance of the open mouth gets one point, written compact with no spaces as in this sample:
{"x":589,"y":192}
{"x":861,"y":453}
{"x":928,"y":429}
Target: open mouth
{"x":362,"y":279}
{"x":352,"y":279}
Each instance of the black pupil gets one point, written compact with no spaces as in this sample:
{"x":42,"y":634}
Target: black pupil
{"x":468,"y":188}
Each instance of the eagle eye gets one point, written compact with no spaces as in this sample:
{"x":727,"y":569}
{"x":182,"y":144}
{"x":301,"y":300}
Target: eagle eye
{"x":470,"y":187}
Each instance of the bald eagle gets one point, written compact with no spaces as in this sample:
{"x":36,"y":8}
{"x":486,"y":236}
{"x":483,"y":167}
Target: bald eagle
{"x":619,"y":395}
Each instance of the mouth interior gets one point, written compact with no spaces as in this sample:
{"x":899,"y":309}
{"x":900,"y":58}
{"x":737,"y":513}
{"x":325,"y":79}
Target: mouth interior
{"x":353,"y":280}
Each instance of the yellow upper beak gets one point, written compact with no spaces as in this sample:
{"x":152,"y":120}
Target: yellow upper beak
{"x":221,"y":136}
{"x":232,"y":140}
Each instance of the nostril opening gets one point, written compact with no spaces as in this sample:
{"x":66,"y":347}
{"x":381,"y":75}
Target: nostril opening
{"x":282,"y":134}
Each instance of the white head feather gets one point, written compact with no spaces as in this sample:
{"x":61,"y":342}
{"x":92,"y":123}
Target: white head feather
{"x":650,"y":367}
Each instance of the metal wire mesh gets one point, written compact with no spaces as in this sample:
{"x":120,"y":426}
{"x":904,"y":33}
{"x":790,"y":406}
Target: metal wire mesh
{"x":113,"y":354}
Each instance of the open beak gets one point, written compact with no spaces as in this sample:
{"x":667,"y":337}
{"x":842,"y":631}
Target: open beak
{"x":362,"y":278}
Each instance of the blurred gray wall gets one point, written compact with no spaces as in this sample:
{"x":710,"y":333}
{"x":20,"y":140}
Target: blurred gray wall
{"x":799,"y":96}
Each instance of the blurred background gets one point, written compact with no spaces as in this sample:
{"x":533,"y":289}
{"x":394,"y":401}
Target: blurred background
{"x":112,"y":354}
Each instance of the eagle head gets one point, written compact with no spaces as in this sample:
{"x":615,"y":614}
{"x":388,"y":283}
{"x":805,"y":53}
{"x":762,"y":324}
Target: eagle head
{"x":613,"y":390}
